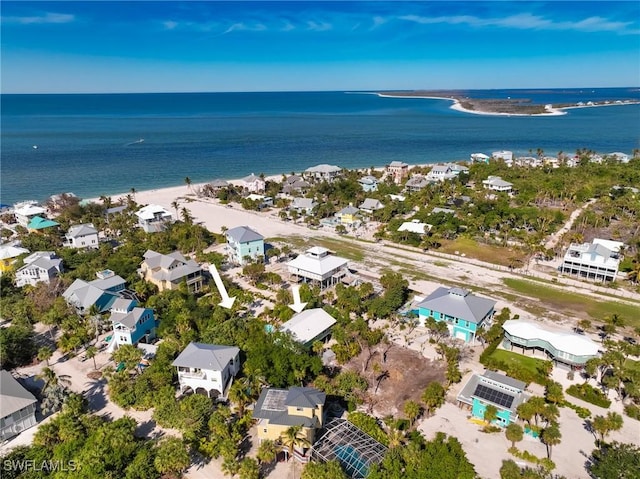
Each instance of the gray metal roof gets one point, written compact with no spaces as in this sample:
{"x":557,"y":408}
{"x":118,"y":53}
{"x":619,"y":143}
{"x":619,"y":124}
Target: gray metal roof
{"x":244,"y":234}
{"x":206,"y":356}
{"x":81,"y":230}
{"x":13,"y":396}
{"x":371,"y":204}
{"x":348,"y":210}
{"x":130,"y":318}
{"x":272,"y":405}
{"x":458,"y":303}
{"x":504,"y":379}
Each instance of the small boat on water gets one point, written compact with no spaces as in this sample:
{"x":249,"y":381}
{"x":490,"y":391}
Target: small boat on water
{"x":141,"y":140}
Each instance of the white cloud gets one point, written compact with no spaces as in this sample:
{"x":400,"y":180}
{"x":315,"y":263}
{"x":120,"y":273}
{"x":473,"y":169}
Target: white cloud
{"x":48,"y":17}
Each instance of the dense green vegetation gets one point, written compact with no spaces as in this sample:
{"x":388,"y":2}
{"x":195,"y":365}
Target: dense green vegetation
{"x":588,"y":393}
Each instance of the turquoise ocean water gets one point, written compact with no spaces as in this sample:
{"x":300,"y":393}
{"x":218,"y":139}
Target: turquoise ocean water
{"x":89,"y":144}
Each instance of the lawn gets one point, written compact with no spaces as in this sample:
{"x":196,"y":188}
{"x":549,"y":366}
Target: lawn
{"x":557,"y":300}
{"x":488,"y":253}
{"x":347,"y":250}
{"x":518,"y":361}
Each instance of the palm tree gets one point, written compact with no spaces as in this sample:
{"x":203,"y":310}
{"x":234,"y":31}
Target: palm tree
{"x":267,"y":451}
{"x":186,"y":216}
{"x":133,"y":193}
{"x":551,"y":437}
{"x":412,"y":410}
{"x":187,"y":181}
{"x":44,"y":354}
{"x":292,"y":438}
{"x":51,"y":379}
{"x":175,"y":205}
{"x":514,"y":433}
{"x":91,"y":353}
{"x":239,"y":395}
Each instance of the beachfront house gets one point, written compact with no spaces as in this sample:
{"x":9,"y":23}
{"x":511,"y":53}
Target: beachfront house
{"x":347,"y":215}
{"x":369,"y":205}
{"x":81,"y":236}
{"x":252,"y":183}
{"x":17,"y":407}
{"x":463,"y":311}
{"x":504,"y":155}
{"x":101,"y":292}
{"x":368,"y":183}
{"x":260,"y":201}
{"x":303,"y":206}
{"x":154,"y":218}
{"x":25,"y":211}
{"x":398,"y":170}
{"x":41,"y":266}
{"x":492,"y":388}
{"x":618,"y":156}
{"x":38,"y":223}
{"x":495,"y":183}
{"x":598,"y":260}
{"x":244,"y":244}
{"x":567,"y":348}
{"x":207,"y":369}
{"x":416,"y":183}
{"x":9,"y":255}
{"x":294,"y":184}
{"x":131,"y":324}
{"x":441,"y":173}
{"x":323,"y":172}
{"x":279,"y":409}
{"x":169,"y":271}
{"x":318,"y":266}
{"x":479,"y":158}
{"x":309,"y":326}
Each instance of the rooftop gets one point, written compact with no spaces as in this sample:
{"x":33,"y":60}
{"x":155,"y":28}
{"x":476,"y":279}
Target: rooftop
{"x":77,"y":231}
{"x":211,"y":357}
{"x":308,"y":324}
{"x":244,"y":234}
{"x":13,"y":396}
{"x":571,"y":343}
{"x":458,"y":303}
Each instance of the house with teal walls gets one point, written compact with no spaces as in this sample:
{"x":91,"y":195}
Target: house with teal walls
{"x":495,"y":389}
{"x":243,"y":243}
{"x":463,"y":311}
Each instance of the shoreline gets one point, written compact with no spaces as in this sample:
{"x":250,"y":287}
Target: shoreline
{"x":457,"y":105}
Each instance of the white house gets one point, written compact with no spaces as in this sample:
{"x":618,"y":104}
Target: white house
{"x":370,"y":205}
{"x":319,"y":266}
{"x":253,"y":183}
{"x":479,"y":158}
{"x":618,"y":156}
{"x":81,"y":236}
{"x":502,"y":155}
{"x":303,"y":206}
{"x":309,"y":326}
{"x":154,"y":218}
{"x":323,"y":172}
{"x":415,"y":226}
{"x":41,"y":266}
{"x":17,"y":407}
{"x":495,"y":183}
{"x":598,"y":260}
{"x":24,"y":212}
{"x":440,"y":173}
{"x":207,"y":368}
{"x":368,"y":183}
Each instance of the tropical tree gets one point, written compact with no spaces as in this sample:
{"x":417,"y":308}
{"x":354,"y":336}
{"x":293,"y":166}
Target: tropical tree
{"x":176,"y":206}
{"x":249,"y":469}
{"x":44,"y":354}
{"x":187,"y":181}
{"x":554,"y":392}
{"x":514,"y":433}
{"x":412,"y":410}
{"x":604,"y":425}
{"x":239,"y":395}
{"x":551,"y":437}
{"x":490,"y":413}
{"x":294,"y":437}
{"x":323,"y":470}
{"x":433,"y":397}
{"x":172,"y":456}
{"x":615,"y":460}
{"x":267,"y":451}
{"x":91,"y":353}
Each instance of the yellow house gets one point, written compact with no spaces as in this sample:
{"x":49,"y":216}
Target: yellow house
{"x":8,"y":255}
{"x":347,"y":215}
{"x":168,"y":271}
{"x":279,"y":409}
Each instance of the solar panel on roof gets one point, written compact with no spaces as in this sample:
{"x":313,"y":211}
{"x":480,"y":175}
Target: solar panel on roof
{"x":496,"y":397}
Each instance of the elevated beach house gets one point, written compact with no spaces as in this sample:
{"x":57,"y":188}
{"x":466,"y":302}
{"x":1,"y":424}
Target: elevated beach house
{"x":347,"y":215}
{"x":463,"y":311}
{"x":101,"y":292}
{"x":567,"y":348}
{"x":252,"y":183}
{"x":207,"y":368}
{"x":168,"y":271}
{"x":368,"y":183}
{"x":41,"y":266}
{"x":495,"y":183}
{"x":294,"y":184}
{"x":598,"y":260}
{"x":81,"y":236}
{"x":416,"y":183}
{"x":17,"y":407}
{"x":38,"y":223}
{"x":244,"y":244}
{"x":279,"y":409}
{"x":323,"y":172}
{"x":369,"y":205}
{"x":318,"y":266}
{"x":131,"y":324}
{"x":398,"y":170}
{"x":309,"y":326}
{"x":303,"y":206}
{"x":27,"y":210}
{"x":154,"y":218}
{"x":441,"y":173}
{"x":9,"y":255}
{"x":492,"y":388}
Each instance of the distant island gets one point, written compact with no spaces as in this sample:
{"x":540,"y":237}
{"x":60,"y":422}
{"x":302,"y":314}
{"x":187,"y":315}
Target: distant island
{"x":499,"y":106}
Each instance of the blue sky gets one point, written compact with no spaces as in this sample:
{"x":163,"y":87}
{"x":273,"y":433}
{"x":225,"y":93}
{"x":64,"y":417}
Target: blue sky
{"x":267,"y":46}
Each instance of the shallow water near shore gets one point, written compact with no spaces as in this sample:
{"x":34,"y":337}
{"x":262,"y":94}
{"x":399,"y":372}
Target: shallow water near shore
{"x":90,"y":144}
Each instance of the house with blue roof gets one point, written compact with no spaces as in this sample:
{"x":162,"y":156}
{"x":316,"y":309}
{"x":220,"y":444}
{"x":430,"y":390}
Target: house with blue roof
{"x":38,"y":223}
{"x":463,"y":311}
{"x":243,"y":243}
{"x":368,"y":183}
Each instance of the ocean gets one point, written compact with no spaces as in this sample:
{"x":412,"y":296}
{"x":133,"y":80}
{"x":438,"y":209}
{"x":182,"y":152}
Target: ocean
{"x":89,"y":144}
